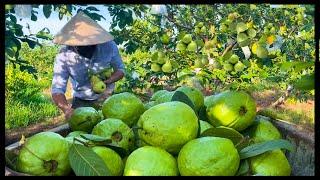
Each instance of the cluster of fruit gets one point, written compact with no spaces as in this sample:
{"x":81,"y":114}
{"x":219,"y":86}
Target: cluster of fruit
{"x":162,"y":137}
{"x":160,"y":62}
{"x":232,"y":62}
{"x":96,"y":80}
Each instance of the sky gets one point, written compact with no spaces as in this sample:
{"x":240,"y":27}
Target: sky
{"x":55,"y":24}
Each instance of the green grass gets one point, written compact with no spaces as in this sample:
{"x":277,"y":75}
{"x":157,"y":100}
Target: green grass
{"x":299,"y":117}
{"x":21,"y":113}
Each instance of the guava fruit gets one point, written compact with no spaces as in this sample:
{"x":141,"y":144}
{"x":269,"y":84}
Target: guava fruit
{"x":111,"y":159}
{"x":199,"y":42}
{"x":167,"y":67}
{"x":168,"y":125}
{"x":208,"y":156}
{"x":192,"y":46}
{"x":204,"y":60}
{"x":165,"y":97}
{"x":241,"y":37}
{"x":124,"y":106}
{"x":165,"y":39}
{"x":241,"y":27}
{"x":262,"y":52}
{"x":203,"y":29}
{"x":234,"y":109}
{"x":239,"y":66}
{"x":209,"y":44}
{"x":228,"y":67}
{"x":270,"y":163}
{"x":231,"y":16}
{"x":198,"y":63}
{"x":204,"y":125}
{"x":263,"y":130}
{"x":94,"y":79}
{"x":254,"y":48}
{"x":197,"y":30}
{"x":181,"y":47}
{"x":187,"y":38}
{"x":99,"y":87}
{"x":150,"y":161}
{"x":155,"y":67}
{"x":115,"y":129}
{"x":251,"y":33}
{"x":161,"y":58}
{"x":84,"y":119}
{"x":200,"y":24}
{"x":157,"y":94}
{"x":148,"y":105}
{"x":106,"y":73}
{"x":233,"y":59}
{"x":44,"y":154}
{"x":194,"y":94}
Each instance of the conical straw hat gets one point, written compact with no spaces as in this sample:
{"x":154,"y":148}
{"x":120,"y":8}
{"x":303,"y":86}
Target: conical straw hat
{"x":81,"y":30}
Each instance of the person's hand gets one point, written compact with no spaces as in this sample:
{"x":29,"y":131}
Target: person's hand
{"x":68,"y":113}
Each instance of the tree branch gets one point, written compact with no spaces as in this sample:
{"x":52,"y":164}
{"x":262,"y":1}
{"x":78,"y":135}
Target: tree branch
{"x":229,"y":47}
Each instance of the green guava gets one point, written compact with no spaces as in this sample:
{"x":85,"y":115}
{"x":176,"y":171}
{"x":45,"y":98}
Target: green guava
{"x":194,"y":94}
{"x":263,"y":130}
{"x":234,"y":109}
{"x":148,"y":105}
{"x":270,"y":163}
{"x":208,"y":156}
{"x":84,"y":119}
{"x":168,"y":125}
{"x":124,"y":106}
{"x":44,"y":154}
{"x":112,"y":160}
{"x":119,"y":132}
{"x":204,"y":125}
{"x":187,"y":38}
{"x":99,"y":87}
{"x":150,"y":161}
{"x":157,"y":94}
{"x":165,"y":97}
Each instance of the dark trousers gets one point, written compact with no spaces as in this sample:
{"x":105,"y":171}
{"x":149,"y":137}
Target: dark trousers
{"x":77,"y":102}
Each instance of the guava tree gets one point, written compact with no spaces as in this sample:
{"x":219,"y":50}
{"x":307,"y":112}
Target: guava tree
{"x":230,"y":44}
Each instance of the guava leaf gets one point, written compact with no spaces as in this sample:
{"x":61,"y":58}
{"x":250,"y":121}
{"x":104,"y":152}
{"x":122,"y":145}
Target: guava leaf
{"x":306,"y":82}
{"x":259,"y":148}
{"x":95,"y":138}
{"x":243,"y":168}
{"x":85,"y":162}
{"x":224,"y":132}
{"x":182,"y":97}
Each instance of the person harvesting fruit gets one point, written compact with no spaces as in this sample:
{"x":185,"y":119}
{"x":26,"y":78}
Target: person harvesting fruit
{"x":88,"y":54}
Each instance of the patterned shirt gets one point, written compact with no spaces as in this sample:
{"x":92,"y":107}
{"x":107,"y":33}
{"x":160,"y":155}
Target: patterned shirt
{"x":69,"y":64}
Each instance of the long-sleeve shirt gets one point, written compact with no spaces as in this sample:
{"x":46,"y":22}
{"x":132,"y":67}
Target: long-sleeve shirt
{"x":69,"y":64}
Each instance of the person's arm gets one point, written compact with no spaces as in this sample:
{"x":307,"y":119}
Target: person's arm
{"x":59,"y":85}
{"x":61,"y":101}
